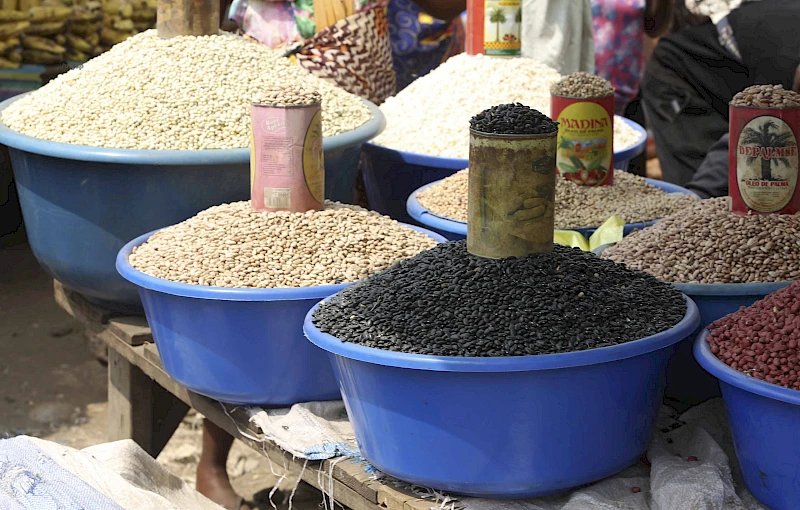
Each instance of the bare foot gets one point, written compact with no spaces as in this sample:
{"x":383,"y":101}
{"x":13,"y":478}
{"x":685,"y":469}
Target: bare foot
{"x":212,"y":477}
{"x":215,"y":485}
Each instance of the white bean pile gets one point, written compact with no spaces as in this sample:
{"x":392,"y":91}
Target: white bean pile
{"x":431,"y":116}
{"x":630,"y":197}
{"x":183,"y":93}
{"x":231,"y":245}
{"x":709,"y":244}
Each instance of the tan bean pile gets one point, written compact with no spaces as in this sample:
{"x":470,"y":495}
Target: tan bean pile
{"x":630,"y":198}
{"x":582,"y":85}
{"x":231,"y":245}
{"x":767,"y":96}
{"x":288,"y":95}
{"x":183,"y":93}
{"x":707,"y":243}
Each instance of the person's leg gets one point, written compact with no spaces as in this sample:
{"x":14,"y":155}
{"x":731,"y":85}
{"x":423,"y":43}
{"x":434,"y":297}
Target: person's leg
{"x":212,"y":475}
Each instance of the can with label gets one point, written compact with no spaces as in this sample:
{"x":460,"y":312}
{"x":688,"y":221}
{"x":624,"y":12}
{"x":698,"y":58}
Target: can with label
{"x":287,"y":171}
{"x":763,"y":160}
{"x":494,"y":27}
{"x":585,"y":153}
{"x":511,"y":194}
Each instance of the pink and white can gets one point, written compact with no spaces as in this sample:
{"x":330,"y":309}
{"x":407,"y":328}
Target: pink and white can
{"x":287,"y":170}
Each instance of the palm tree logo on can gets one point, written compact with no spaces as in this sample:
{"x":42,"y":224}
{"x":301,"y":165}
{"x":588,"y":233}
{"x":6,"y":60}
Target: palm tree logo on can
{"x":766,"y":164}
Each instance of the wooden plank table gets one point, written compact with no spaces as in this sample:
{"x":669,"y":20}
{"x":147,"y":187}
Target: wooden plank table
{"x":145,"y":404}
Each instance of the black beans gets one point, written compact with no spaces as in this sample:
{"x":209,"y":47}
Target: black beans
{"x":513,"y":119}
{"x":447,"y":302}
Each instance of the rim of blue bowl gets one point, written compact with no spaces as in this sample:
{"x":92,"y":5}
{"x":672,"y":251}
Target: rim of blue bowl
{"x":19,"y":141}
{"x":148,"y":282}
{"x":677,"y":333}
{"x":431,"y":219}
{"x":415,"y":158}
{"x":715,"y":367}
{"x":759,"y":289}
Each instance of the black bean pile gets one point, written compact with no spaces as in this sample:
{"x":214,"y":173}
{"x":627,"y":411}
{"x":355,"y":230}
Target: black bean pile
{"x":513,"y":119}
{"x":446,"y":302}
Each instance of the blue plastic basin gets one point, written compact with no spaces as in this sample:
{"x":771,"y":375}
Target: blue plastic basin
{"x":82,"y":204}
{"x":390,"y":176}
{"x":764,"y":422}
{"x":511,"y":427}
{"x":240,"y":346}
{"x":686,"y":380}
{"x":457,"y":230}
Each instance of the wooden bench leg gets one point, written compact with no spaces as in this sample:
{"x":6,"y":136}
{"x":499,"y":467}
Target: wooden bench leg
{"x":139,"y":408}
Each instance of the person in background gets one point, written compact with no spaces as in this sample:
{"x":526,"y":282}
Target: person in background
{"x":618,"y":27}
{"x":695,"y":72}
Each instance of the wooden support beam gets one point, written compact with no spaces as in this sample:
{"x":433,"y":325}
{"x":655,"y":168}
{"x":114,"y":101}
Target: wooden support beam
{"x":187,"y":17}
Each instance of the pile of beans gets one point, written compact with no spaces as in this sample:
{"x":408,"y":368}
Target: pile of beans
{"x":630,"y":198}
{"x":301,"y":94}
{"x":232,"y":245}
{"x":706,"y":243}
{"x":582,"y":85}
{"x":767,"y":96}
{"x":447,"y":302}
{"x":431,"y":116}
{"x":513,"y":118}
{"x":183,"y":93}
{"x":762,"y":340}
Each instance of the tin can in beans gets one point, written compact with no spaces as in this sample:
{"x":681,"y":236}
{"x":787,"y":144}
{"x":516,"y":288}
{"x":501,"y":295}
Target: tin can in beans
{"x":511,"y":204}
{"x":763,"y":160}
{"x":585,"y":150}
{"x":287,"y":171}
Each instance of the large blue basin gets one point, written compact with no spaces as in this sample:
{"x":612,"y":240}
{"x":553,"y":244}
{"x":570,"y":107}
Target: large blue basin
{"x":506,"y":427}
{"x":82,"y":204}
{"x":764,"y":422}
{"x":240,"y":346}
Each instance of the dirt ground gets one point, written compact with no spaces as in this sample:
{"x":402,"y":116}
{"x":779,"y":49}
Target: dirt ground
{"x":52,"y":387}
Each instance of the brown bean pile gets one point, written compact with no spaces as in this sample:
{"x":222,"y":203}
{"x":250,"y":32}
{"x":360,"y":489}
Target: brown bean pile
{"x":630,"y":198}
{"x":582,"y":85}
{"x":289,"y":95}
{"x":767,"y":96}
{"x":707,"y":243}
{"x":231,"y":245}
{"x":762,"y":340}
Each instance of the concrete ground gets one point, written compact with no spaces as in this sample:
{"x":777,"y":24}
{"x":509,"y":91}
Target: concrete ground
{"x":51,"y":386}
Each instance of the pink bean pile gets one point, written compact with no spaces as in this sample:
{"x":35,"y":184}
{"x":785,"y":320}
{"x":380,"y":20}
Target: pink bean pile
{"x":762,"y":340}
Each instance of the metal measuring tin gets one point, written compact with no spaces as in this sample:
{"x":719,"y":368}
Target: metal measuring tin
{"x":763,"y":160}
{"x":287,"y":170}
{"x":585,"y":150}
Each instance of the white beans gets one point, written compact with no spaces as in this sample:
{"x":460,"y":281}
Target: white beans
{"x":184,"y":93}
{"x":431,"y":116}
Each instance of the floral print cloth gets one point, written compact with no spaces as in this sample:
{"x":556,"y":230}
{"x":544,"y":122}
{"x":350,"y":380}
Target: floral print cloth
{"x":618,"y":46}
{"x":419,"y":42}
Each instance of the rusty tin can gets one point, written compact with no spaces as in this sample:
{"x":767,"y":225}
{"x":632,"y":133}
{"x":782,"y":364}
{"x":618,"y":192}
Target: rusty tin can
{"x":287,"y":170}
{"x":585,"y":153}
{"x":763,"y":160}
{"x":512,"y":181}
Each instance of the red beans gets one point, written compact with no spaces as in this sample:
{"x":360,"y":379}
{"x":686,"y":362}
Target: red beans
{"x":763,"y":340}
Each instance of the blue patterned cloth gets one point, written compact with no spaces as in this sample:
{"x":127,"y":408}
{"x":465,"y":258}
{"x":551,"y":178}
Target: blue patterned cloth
{"x":419,"y":42}
{"x":31,"y":480}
